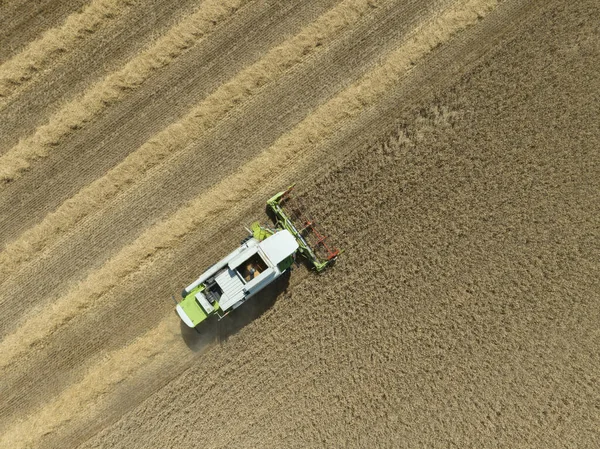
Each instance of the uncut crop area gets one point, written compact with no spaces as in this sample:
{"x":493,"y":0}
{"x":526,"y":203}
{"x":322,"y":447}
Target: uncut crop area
{"x":450,"y":148}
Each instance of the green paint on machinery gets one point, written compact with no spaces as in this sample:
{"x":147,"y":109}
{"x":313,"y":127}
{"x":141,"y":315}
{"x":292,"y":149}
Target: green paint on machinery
{"x":262,"y":257}
{"x":260,"y":233}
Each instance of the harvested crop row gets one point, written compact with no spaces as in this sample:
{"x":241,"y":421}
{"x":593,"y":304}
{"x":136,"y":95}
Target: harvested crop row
{"x":25,"y":21}
{"x":287,"y":153}
{"x":197,"y":122}
{"x":116,"y":86}
{"x":374,"y":37}
{"x":85,"y":400}
{"x":57,"y":41}
{"x":98,"y":382}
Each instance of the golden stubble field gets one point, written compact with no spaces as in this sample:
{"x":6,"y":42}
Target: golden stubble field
{"x":449,"y":146}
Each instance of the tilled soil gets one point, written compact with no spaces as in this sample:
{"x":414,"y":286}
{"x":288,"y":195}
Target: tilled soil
{"x":464,"y":192}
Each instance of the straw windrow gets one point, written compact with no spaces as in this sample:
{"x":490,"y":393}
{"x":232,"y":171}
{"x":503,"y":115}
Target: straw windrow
{"x":116,"y":86}
{"x":288,"y":152}
{"x":58,"y":41}
{"x":175,"y":137}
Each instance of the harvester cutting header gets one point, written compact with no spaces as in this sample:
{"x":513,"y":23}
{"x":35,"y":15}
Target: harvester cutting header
{"x":262,"y":257}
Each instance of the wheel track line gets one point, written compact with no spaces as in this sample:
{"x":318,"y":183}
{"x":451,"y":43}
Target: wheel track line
{"x":246,"y":84}
{"x":287,"y":152}
{"x":113,"y":88}
{"x":56,"y":42}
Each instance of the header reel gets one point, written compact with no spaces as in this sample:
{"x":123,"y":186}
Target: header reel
{"x":289,"y":214}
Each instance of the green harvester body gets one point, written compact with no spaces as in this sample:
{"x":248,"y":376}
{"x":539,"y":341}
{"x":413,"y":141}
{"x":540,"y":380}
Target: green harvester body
{"x":262,"y":257}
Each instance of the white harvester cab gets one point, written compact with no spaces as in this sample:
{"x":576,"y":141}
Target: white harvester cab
{"x":237,"y":277}
{"x":262,"y":257}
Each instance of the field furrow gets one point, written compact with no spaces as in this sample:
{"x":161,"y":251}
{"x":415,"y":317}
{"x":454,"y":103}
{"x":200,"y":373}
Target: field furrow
{"x":115,"y":86}
{"x":160,"y":102}
{"x":53,"y":43}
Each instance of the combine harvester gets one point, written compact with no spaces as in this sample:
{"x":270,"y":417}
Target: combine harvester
{"x":262,"y":257}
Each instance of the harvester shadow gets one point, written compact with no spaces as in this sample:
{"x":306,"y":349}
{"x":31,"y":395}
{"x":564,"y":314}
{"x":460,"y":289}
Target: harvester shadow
{"x":217,"y":331}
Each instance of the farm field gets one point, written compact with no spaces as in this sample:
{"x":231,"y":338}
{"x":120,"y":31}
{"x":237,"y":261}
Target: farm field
{"x":450,"y":147}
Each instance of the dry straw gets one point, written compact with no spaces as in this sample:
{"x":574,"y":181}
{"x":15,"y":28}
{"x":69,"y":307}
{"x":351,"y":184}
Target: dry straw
{"x":286,"y":154}
{"x":81,"y":399}
{"x":175,"y":137}
{"x":58,"y":41}
{"x":286,"y":151}
{"x":116,"y":86}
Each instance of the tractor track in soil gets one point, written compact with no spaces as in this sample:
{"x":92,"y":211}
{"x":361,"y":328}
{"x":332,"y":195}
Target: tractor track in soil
{"x":160,"y":102}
